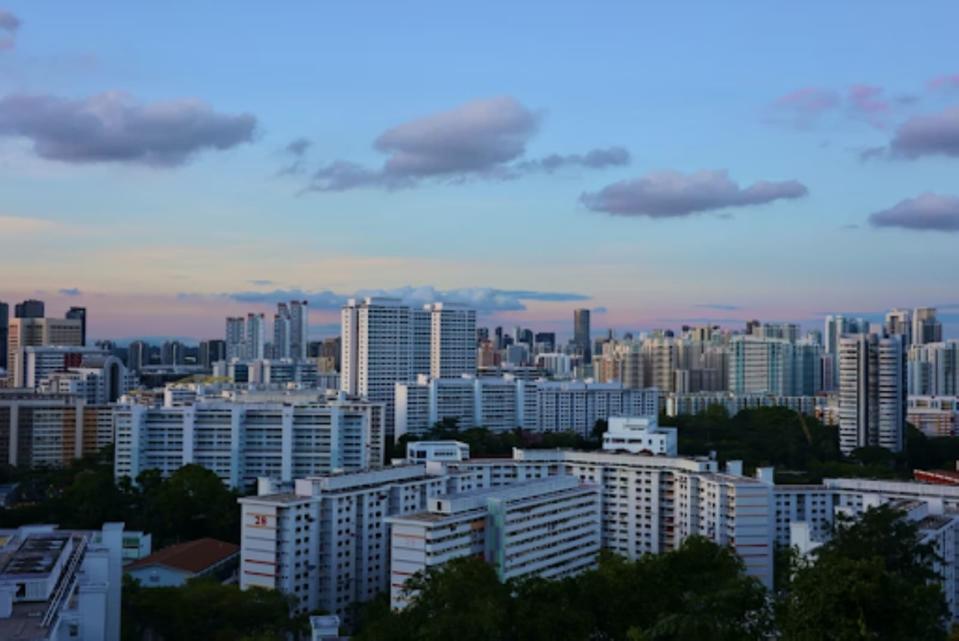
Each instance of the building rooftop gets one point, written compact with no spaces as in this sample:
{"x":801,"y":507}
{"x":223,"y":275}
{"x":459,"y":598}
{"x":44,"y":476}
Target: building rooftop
{"x":192,"y":556}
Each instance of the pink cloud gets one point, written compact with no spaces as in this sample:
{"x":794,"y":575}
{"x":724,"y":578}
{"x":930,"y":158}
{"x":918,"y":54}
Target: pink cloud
{"x":947,"y":82}
{"x":805,"y":105}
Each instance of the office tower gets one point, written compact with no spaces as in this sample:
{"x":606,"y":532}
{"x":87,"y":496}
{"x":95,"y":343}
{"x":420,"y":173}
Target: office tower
{"x":255,"y":339}
{"x":926,"y":328}
{"x":581,"y":334}
{"x":299,"y":329}
{"x":760,"y":365}
{"x":235,"y":337}
{"x":138,"y":355}
{"x":899,"y":323}
{"x":452,"y":342}
{"x":786,"y":331}
{"x":4,"y":332}
{"x":173,"y":353}
{"x":79,"y":313}
{"x":498,"y":334}
{"x":872,"y":392}
{"x":835,"y":328}
{"x":482,"y":334}
{"x":29,"y":309}
{"x":282,"y":323}
{"x":211,"y":351}
{"x":32,"y":332}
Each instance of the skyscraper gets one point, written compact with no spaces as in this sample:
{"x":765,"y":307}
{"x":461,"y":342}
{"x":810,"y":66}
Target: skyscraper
{"x":452,"y":340}
{"x":235,"y":337}
{"x":138,"y":355}
{"x":581,"y":334}
{"x":926,"y":328}
{"x":385,"y":342}
{"x":281,"y":331}
{"x":80,"y":314}
{"x":29,"y":309}
{"x":835,"y":328}
{"x":872,"y":392}
{"x":299,"y":329}
{"x":899,"y":323}
{"x":34,"y":332}
{"x":4,"y":332}
{"x":255,"y":340}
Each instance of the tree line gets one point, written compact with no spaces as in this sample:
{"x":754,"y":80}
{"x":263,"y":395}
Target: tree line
{"x":873,"y":580}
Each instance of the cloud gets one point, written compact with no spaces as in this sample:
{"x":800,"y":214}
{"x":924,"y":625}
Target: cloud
{"x":480,"y":139}
{"x":594,"y":159}
{"x":868,"y":103}
{"x":296,"y":151}
{"x":934,"y":134}
{"x":871,"y":153}
{"x":9,"y":24}
{"x":669,"y":194}
{"x":113,"y":127}
{"x":943,"y":83}
{"x":802,"y":107}
{"x":260,"y":282}
{"x":719,"y":307}
{"x":928,"y":212}
{"x":600,"y":310}
{"x":484,"y":299}
{"x":69,"y":291}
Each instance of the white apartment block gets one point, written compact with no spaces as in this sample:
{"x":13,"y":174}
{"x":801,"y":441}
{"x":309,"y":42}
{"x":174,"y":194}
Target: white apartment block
{"x":241,"y":441}
{"x":933,"y":369}
{"x":327,"y":543}
{"x":452,"y":340}
{"x":640,"y":435}
{"x":507,"y":403}
{"x":691,"y":404}
{"x":57,"y":585}
{"x":547,"y":528}
{"x":444,"y":451}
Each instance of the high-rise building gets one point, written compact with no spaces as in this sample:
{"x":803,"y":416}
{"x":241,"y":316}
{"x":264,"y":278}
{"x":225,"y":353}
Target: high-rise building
{"x":29,"y":309}
{"x":138,"y":356}
{"x":835,"y":328}
{"x":926,"y":328}
{"x":385,"y":342}
{"x":34,"y":332}
{"x":872,"y":392}
{"x":80,"y":314}
{"x":235,"y":337}
{"x":899,"y":323}
{"x":581,"y":334}
{"x":173,"y":353}
{"x":299,"y":329}
{"x":933,"y":369}
{"x":211,"y":351}
{"x":452,"y":340}
{"x":281,"y":331}
{"x":4,"y":333}
{"x":255,"y":338}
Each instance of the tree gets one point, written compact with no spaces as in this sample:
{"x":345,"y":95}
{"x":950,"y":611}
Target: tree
{"x":872,"y":580}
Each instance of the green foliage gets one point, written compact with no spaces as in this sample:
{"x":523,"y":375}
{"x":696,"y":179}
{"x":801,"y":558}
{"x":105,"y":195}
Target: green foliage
{"x":696,"y":592}
{"x":192,"y":503}
{"x":872,"y":580}
{"x":486,"y":443}
{"x":205,"y":610}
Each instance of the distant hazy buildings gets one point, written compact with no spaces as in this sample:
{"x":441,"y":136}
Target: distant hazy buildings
{"x":35,"y":332}
{"x":581,"y":334}
{"x":926,"y":328}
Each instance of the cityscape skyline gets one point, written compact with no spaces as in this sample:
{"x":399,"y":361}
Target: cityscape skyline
{"x":805,"y":174}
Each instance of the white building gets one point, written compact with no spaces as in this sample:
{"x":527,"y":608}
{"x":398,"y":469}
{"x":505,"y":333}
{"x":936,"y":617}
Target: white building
{"x":691,"y":404}
{"x":242,"y":441}
{"x":254,"y":341}
{"x":934,"y":416}
{"x":235,"y":337}
{"x":57,"y":585}
{"x":640,"y":435}
{"x":872,"y":393}
{"x":547,"y":528}
{"x":933,"y":369}
{"x":446,"y":451}
{"x":452,"y":340}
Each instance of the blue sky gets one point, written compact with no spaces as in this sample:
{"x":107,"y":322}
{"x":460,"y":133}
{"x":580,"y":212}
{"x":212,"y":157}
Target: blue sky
{"x":783,"y":97}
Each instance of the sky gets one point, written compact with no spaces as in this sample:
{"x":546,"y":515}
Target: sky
{"x":169,"y":164}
